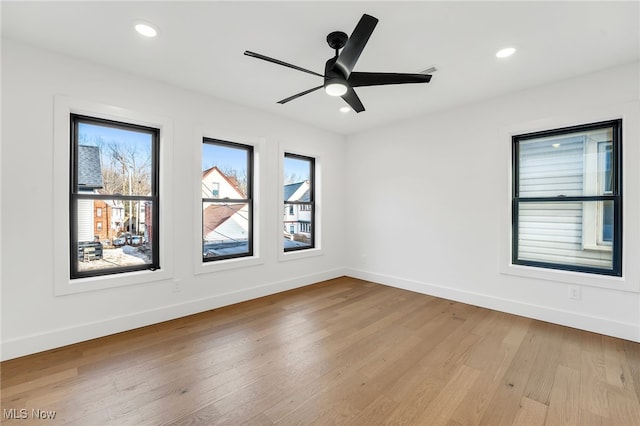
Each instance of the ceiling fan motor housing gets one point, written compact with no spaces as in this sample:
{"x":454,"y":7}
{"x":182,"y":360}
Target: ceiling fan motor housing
{"x":337,"y":40}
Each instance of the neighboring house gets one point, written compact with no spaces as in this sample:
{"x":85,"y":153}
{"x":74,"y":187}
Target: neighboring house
{"x":297,"y":218}
{"x":219,"y":224}
{"x":89,"y":181}
{"x":216,"y":184}
{"x":108,"y":218}
{"x":223,"y":223}
{"x":136,"y":222}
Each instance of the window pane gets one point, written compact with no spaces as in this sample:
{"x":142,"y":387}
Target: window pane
{"x":555,"y":232}
{"x":572,"y":164}
{"x":226,"y":200}
{"x":298,"y":198}
{"x":105,"y":242}
{"x":225,"y":229}
{"x":297,"y":230}
{"x":605,"y":152}
{"x":113,"y":160}
{"x":117,"y":160}
{"x":607,"y":221}
{"x":297,"y":176}
{"x":224,"y":171}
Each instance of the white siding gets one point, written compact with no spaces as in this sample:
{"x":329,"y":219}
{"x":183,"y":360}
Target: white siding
{"x":552,"y":232}
{"x":214,"y":179}
{"x":85,"y":220}
{"x":546,"y":171}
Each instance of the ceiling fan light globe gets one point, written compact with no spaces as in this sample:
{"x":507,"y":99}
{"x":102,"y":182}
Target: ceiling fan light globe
{"x":335,"y":87}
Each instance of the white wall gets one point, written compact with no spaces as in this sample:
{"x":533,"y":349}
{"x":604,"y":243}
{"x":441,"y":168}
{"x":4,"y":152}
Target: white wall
{"x":430,"y":199}
{"x":428,"y":202}
{"x":33,"y":319}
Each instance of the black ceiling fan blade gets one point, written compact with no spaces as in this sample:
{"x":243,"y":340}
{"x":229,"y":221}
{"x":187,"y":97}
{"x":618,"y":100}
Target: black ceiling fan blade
{"x":297,"y":95}
{"x":355,"y":44}
{"x":360,"y":79}
{"x":279,"y":62}
{"x":353,"y":100}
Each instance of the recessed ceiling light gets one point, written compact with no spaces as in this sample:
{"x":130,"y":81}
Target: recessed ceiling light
{"x":555,"y":145}
{"x":506,"y":52}
{"x":345,"y":109}
{"x":146,"y":29}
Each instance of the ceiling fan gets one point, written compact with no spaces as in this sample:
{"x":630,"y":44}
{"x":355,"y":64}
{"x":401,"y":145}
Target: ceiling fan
{"x":339,"y":77}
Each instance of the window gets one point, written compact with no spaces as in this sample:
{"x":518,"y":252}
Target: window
{"x":299,"y":189}
{"x":227,"y":202}
{"x":215,"y":190}
{"x":567,"y":199}
{"x":113,"y":163}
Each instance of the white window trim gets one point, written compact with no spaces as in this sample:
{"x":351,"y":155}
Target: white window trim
{"x":63,"y":108}
{"x":317,"y":220}
{"x":259,"y":144}
{"x":630,"y":280}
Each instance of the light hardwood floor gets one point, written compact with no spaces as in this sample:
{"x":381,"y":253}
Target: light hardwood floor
{"x":343,"y":351}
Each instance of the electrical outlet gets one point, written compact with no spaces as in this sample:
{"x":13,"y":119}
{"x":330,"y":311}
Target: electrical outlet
{"x":176,"y":286}
{"x":574,"y":292}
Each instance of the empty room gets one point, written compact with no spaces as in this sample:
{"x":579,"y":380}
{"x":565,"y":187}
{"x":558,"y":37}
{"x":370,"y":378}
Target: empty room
{"x":358,"y":212}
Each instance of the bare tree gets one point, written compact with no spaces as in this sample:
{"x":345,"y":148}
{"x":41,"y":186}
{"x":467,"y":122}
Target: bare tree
{"x":240,"y":177}
{"x":126,"y":170}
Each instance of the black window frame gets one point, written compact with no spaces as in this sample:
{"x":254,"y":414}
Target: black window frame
{"x":311,"y":205}
{"x":75,"y":196}
{"x":249,"y":201}
{"x":615,"y":197}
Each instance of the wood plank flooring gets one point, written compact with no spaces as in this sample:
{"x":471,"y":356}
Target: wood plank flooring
{"x":344,"y":351}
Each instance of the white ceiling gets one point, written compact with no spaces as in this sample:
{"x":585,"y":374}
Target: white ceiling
{"x":201,"y":47}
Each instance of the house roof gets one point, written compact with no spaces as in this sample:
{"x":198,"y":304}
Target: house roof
{"x":232,"y":180}
{"x":215,"y":215}
{"x":89,"y":167}
{"x":292,"y":188}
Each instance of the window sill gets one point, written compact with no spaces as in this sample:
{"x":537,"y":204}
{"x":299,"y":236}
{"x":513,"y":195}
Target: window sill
{"x":82,"y":285}
{"x":568,"y":277}
{"x":225,"y":265}
{"x":603,"y":248}
{"x":299,"y":254}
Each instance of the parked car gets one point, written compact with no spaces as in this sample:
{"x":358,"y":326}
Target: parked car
{"x":119,"y":242}
{"x":136,"y":240}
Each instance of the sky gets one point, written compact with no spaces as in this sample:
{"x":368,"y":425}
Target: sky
{"x":298,"y":167}
{"x":225,"y":157}
{"x":90,"y":134}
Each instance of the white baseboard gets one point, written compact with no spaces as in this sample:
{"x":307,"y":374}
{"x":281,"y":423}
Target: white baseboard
{"x":627,"y":331}
{"x":65,"y":336}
